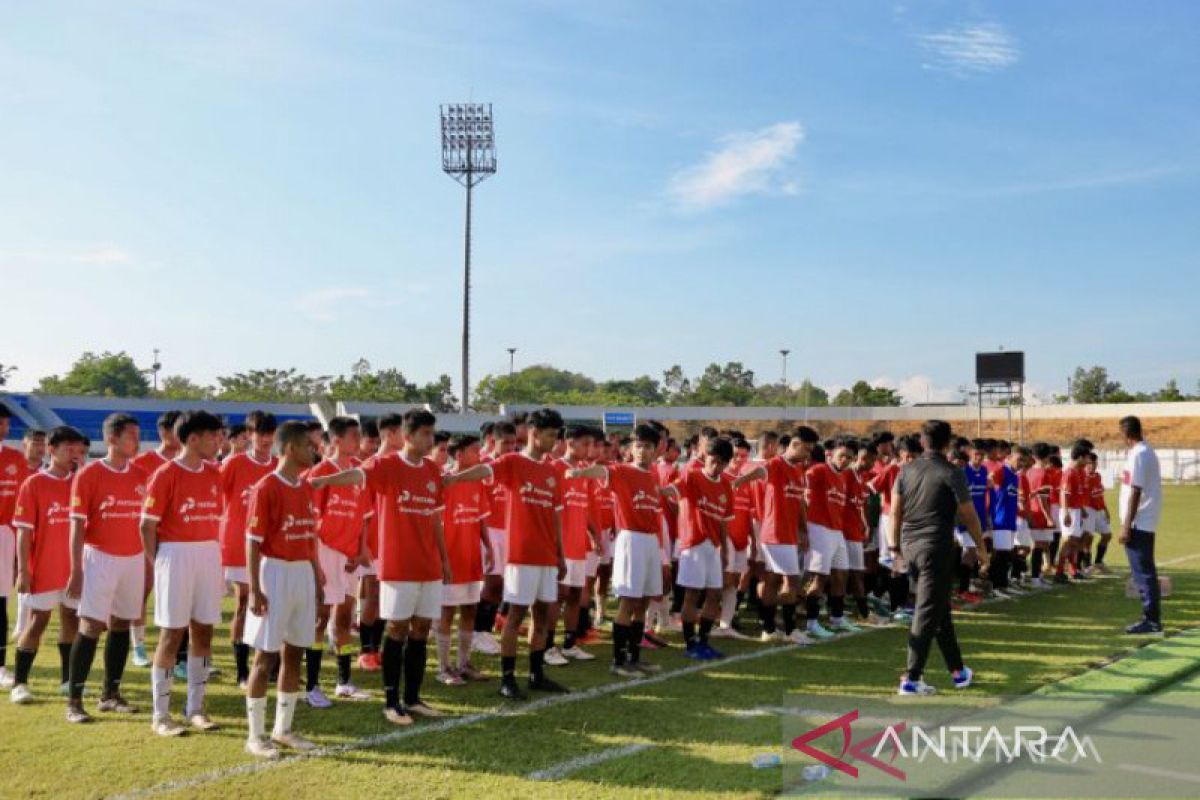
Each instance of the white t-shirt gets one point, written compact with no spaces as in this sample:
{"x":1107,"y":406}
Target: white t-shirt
{"x":1141,"y":470}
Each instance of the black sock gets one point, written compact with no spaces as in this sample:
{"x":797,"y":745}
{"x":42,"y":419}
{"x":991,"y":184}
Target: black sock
{"x":964,"y":577}
{"x":549,"y":639}
{"x":482,"y":610}
{"x":378,"y":631}
{"x":689,"y":632}
{"x":1055,"y":543}
{"x":24,"y":664}
{"x":415,"y":653}
{"x":585,"y":621}
{"x":181,"y":656}
{"x":812,"y":608}
{"x":864,"y":610}
{"x":568,"y":640}
{"x":343,"y":668}
{"x":1036,"y":566}
{"x":4,"y":628}
{"x":837,"y":607}
{"x":677,"y":598}
{"x":637,"y":629}
{"x":1101,"y":550}
{"x":620,"y":640}
{"x":64,"y":661}
{"x":366,"y":643}
{"x":508,"y":668}
{"x":537,"y":661}
{"x":241,"y":658}
{"x":83,"y":651}
{"x":393,"y":667}
{"x":788,"y":612}
{"x":706,"y":626}
{"x":898,"y":591}
{"x":766,"y":615}
{"x":116,"y":652}
{"x":312,"y":665}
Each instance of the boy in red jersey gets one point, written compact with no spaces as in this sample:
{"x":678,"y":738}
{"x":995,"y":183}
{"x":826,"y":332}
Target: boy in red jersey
{"x":1074,"y":502}
{"x":107,"y":563}
{"x":782,"y":534}
{"x":14,"y":469}
{"x":384,"y":437}
{"x":180,"y":529}
{"x":856,"y":529}
{"x":239,"y":473}
{"x":43,"y":558}
{"x":1099,"y":508}
{"x":504,"y":441}
{"x":470,"y":551}
{"x":285,"y":589}
{"x":827,"y":559}
{"x":601,"y":453}
{"x":413,"y":563}
{"x":737,"y":545}
{"x":637,"y":554}
{"x":1041,"y":518}
{"x":536,"y":562}
{"x":342,"y":513}
{"x":581,"y":543}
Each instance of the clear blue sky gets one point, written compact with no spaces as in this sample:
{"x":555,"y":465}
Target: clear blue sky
{"x":883,"y":189}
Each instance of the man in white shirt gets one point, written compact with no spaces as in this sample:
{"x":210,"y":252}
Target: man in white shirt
{"x":1140,"y":509}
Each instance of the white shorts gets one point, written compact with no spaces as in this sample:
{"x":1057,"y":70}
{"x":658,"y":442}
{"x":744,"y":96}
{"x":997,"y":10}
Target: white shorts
{"x":48,"y":601}
{"x":1042,"y":535}
{"x":1075,"y":529}
{"x":499,"y":539}
{"x":885,"y":550}
{"x":1056,"y":515}
{"x":403,"y":600}
{"x":855,"y":556}
{"x":8,"y":559}
{"x":637,"y":565}
{"x":1102,"y":526}
{"x":1024,"y":537}
{"x":339,"y":584}
{"x":237,"y":575}
{"x":591,"y":564}
{"x":664,"y":548}
{"x":964,"y":540}
{"x":461,"y":594}
{"x":780,"y":559}
{"x":606,"y":542}
{"x":826,"y":550}
{"x":188,"y":584}
{"x":1003,"y":540}
{"x":369,"y":571}
{"x":1089,"y":522}
{"x":291,"y":591}
{"x":526,"y":584}
{"x":113,"y":586}
{"x":700,"y":567}
{"x":576,"y":573}
{"x":737,"y":562}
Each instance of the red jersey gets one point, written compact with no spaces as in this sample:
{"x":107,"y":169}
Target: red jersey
{"x":1041,"y":492}
{"x":637,"y":504}
{"x":579,"y":502}
{"x":1075,"y":487}
{"x":341,"y":510}
{"x":603,"y":509}
{"x":109,"y":501}
{"x":884,"y":482}
{"x":534,"y":500}
{"x":1055,"y":476}
{"x":43,"y":506}
{"x":408,"y":502}
{"x":149,"y":462}
{"x":666,"y":475}
{"x":1023,"y":499}
{"x":1096,"y":491}
{"x":783,"y":492}
{"x":466,"y":509}
{"x":853,"y":526}
{"x":826,"y":495}
{"x":186,"y":503}
{"x":14,"y":470}
{"x":283,"y":519}
{"x":239,"y":474}
{"x":707,"y":502}
{"x":741,"y":527}
{"x":498,"y":519}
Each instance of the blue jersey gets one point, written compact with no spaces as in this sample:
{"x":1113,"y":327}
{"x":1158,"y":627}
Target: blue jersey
{"x":977,"y":482}
{"x":1004,"y":500}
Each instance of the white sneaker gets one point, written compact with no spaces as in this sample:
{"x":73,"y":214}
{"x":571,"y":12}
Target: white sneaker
{"x":6,"y":678}
{"x":577,"y":653}
{"x":165,"y":726}
{"x":915,"y":688}
{"x":484,"y":642}
{"x":348,"y":691}
{"x":555,"y":658}
{"x":773,"y":636}
{"x":202,"y":722}
{"x":262,"y":748}
{"x":799,"y":637}
{"x":21,"y":694}
{"x":449,"y":677}
{"x":293,"y":740}
{"x":317,"y":699}
{"x":723,"y":632}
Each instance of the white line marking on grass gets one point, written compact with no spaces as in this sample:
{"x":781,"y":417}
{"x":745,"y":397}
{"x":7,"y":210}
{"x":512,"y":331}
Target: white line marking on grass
{"x":1179,"y":560}
{"x":585,"y":761}
{"x":1186,"y":777}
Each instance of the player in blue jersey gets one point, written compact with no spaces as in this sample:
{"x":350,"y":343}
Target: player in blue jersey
{"x":1003,"y":499}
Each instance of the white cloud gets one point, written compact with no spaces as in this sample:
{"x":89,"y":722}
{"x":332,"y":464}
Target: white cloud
{"x":747,"y":162}
{"x":968,"y":49}
{"x":320,"y":305}
{"x":919,"y":389}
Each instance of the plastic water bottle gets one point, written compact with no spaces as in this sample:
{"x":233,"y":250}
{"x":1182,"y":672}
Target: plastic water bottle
{"x":816,"y":772}
{"x":767,"y":761}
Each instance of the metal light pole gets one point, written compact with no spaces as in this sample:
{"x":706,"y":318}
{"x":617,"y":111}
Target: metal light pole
{"x":783,"y":380}
{"x":512,"y":353}
{"x":468,"y":156}
{"x":154,"y":368}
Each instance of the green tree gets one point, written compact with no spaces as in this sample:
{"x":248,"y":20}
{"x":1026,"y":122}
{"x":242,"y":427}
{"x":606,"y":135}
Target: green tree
{"x":728,"y":385}
{"x":640,"y":391}
{"x":775,"y":394}
{"x":676,"y":386}
{"x":540,"y":383}
{"x":384,"y":386}
{"x":179,"y":387}
{"x":864,"y":394}
{"x":1170,"y":393}
{"x":439,"y":395}
{"x":105,"y":374}
{"x":1093,"y":386}
{"x":6,"y":372}
{"x":271,"y":386}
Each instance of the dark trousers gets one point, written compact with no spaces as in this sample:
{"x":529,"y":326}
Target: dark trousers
{"x":933,"y":566}
{"x":1140,"y":552}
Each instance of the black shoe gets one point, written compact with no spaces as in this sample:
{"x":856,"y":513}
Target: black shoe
{"x":1061,"y":578}
{"x":510,"y":691}
{"x":1145,"y":627}
{"x":657,"y":641}
{"x":544,"y":684}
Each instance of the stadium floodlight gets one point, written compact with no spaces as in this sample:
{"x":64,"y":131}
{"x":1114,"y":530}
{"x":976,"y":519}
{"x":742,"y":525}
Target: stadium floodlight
{"x":468,"y":156}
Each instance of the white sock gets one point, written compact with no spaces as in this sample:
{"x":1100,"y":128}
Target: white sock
{"x":464,"y":647}
{"x":197,"y":680}
{"x":138,"y":633}
{"x":285,"y":707}
{"x":443,"y":651}
{"x":813,"y":624}
{"x":160,"y":687}
{"x":728,"y":605}
{"x":256,"y":711}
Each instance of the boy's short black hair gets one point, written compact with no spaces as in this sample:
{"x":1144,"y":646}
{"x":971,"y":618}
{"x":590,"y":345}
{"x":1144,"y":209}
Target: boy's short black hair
{"x":1131,"y":427}
{"x":485,"y":430}
{"x":545,"y":419}
{"x":370,"y":427}
{"x":784,"y":440}
{"x":338,"y":426}
{"x":167,"y":419}
{"x":1042,"y":451}
{"x":32,"y":433}
{"x":1092,"y":457}
{"x":648,"y":434}
{"x":5,"y":411}
{"x":417,"y":418}
{"x":1085,"y":443}
{"x":709,"y":432}
{"x":64,"y":434}
{"x":116,"y":423}
{"x":461,"y":442}
{"x":817,"y":456}
{"x":1079,"y":450}
{"x":196,"y":421}
{"x":237,"y":429}
{"x":391,"y":421}
{"x":767,"y":436}
{"x":292,"y":432}
{"x":504,"y":428}
{"x":910,"y":444}
{"x":314,"y":425}
{"x":848,"y":442}
{"x":980,"y":444}
{"x":721,"y":448}
{"x":937,"y":434}
{"x":258,"y":421}
{"x":870,"y":448}
{"x":441,"y":436}
{"x":519,"y":418}
{"x":740,"y":444}
{"x":1056,"y":461}
{"x":579,"y":432}
{"x":881,"y":437}
{"x":806,"y":434}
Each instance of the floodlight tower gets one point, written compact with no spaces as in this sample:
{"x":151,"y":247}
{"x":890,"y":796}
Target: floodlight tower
{"x":468,"y":156}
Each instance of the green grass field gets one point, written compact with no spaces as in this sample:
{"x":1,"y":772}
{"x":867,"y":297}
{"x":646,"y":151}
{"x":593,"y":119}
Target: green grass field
{"x":687,"y":733}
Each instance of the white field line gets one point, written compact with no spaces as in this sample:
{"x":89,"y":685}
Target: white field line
{"x":453,"y":723}
{"x":582,"y":762}
{"x":1179,"y":560}
{"x":1186,"y":777}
